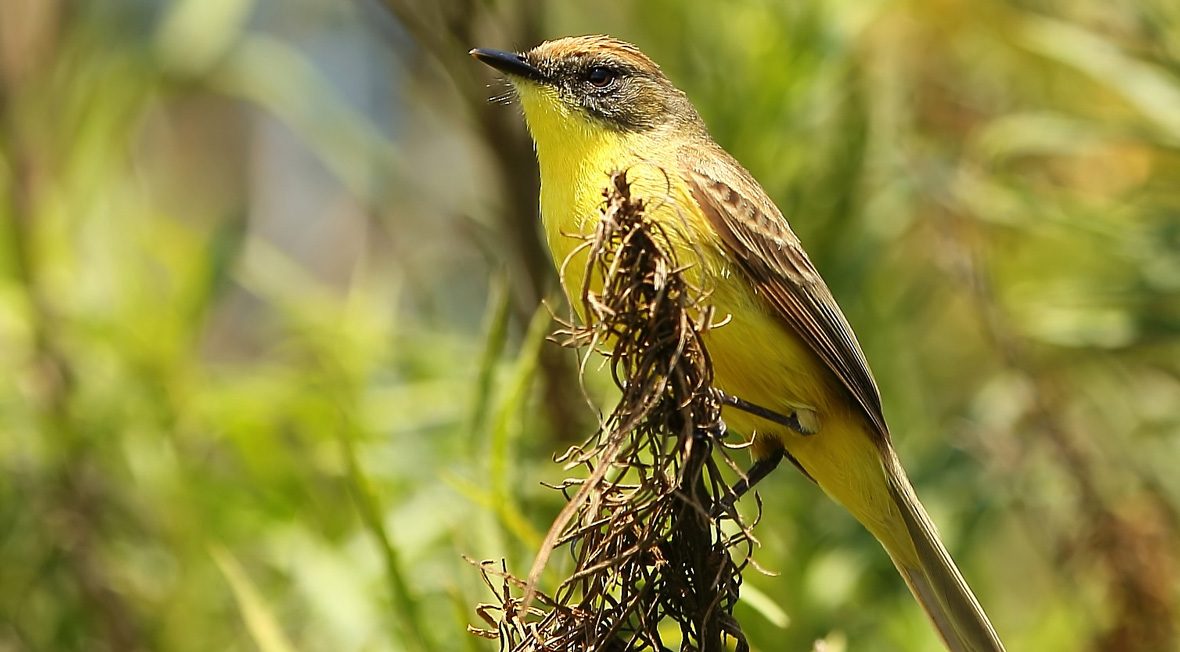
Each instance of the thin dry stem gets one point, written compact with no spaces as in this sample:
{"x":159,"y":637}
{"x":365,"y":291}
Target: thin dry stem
{"x":638,"y":527}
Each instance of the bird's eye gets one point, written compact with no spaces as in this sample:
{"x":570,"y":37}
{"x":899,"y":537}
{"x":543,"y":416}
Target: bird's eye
{"x":600,"y":76}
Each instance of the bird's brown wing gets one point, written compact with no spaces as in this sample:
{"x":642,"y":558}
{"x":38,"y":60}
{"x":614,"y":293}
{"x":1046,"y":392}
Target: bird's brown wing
{"x":758,"y":237}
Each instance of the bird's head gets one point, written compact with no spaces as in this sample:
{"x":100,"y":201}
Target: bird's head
{"x":591,"y":84}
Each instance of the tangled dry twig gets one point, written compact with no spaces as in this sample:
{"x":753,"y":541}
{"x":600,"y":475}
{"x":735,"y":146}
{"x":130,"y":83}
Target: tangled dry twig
{"x":641,"y":527}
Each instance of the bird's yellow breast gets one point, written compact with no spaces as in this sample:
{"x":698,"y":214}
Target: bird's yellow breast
{"x":576,"y":162}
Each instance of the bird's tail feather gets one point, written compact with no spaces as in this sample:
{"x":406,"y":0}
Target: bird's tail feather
{"x":933,"y":577}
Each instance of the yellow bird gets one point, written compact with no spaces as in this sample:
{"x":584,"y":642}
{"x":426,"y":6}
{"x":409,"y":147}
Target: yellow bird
{"x":595,"y":105}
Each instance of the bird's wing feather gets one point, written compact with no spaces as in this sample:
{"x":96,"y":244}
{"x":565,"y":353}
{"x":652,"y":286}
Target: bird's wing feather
{"x":758,"y":237}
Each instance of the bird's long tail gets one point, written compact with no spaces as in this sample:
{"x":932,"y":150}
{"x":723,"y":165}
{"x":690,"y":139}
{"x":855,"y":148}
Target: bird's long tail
{"x":930,"y":573}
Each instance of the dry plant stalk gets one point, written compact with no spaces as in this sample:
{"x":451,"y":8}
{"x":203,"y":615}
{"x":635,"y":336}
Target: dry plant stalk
{"x":641,"y":527}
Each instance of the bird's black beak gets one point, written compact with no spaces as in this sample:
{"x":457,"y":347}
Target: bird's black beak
{"x":509,"y":63}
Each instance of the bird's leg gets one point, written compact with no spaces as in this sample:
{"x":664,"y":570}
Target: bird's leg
{"x":759,"y":470}
{"x":791,"y":421}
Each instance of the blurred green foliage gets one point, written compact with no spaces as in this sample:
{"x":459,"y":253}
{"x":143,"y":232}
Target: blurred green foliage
{"x":269,"y":289}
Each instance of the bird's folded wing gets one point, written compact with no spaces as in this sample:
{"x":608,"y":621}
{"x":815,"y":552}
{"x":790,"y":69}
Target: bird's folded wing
{"x":758,"y":237}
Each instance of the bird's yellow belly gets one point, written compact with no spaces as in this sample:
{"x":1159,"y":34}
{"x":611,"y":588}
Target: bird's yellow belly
{"x":759,"y":360}
{"x":756,"y":358}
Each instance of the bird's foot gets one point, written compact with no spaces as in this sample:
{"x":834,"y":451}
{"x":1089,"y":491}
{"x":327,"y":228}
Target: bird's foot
{"x":802,"y":420}
{"x":759,"y":470}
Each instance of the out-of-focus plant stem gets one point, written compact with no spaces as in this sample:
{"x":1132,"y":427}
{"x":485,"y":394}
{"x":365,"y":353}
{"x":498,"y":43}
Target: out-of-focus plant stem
{"x":447,"y":39}
{"x":405,"y":611}
{"x":77,"y":497}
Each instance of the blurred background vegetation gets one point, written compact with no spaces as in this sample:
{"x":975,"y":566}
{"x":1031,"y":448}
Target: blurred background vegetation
{"x":273,"y":359}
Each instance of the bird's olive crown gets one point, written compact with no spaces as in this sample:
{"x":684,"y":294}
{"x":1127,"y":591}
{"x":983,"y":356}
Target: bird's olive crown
{"x":612,"y":81}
